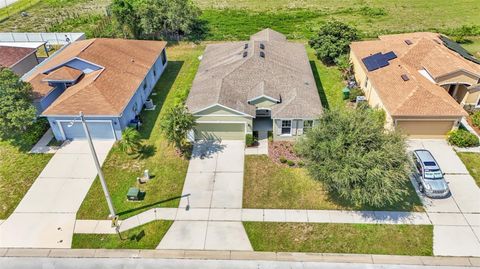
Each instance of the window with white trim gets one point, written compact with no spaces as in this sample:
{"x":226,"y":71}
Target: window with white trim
{"x":307,"y":125}
{"x":286,"y":127}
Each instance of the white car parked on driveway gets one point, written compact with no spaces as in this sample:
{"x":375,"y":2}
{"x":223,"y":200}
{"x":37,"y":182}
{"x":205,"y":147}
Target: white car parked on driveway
{"x":428,"y":174}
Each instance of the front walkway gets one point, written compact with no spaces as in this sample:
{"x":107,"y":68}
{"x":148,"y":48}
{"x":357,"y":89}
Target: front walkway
{"x":214,"y":181}
{"x":456,"y":219}
{"x":45,"y":217}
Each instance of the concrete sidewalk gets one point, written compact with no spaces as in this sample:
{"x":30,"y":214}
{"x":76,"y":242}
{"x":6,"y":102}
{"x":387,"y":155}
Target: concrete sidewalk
{"x":45,"y":217}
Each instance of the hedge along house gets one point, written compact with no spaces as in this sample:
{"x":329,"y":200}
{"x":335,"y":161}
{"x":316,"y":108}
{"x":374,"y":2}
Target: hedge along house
{"x":264,"y":84}
{"x":109,"y":80}
{"x":421,"y":80}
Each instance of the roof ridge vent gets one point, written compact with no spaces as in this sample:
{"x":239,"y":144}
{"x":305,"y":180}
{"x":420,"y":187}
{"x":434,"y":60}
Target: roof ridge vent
{"x":405,"y":77}
{"x":245,"y":53}
{"x":262,"y":46}
{"x":262,"y":54}
{"x":246,"y":46}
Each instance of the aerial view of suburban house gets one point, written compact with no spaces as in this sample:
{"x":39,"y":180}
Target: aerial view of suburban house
{"x":261,"y":85}
{"x":109,"y":80}
{"x":19,"y":60}
{"x":422,"y":81}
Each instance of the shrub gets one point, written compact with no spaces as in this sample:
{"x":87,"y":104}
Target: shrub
{"x":476,"y":118}
{"x":354,"y":92}
{"x":290,"y":163}
{"x":270,"y":136}
{"x":332,"y":40}
{"x":462,"y":138}
{"x":249,"y":140}
{"x":130,"y":142}
{"x":357,"y":160}
{"x":176,"y":124}
{"x":283,"y":159}
{"x":300,"y":163}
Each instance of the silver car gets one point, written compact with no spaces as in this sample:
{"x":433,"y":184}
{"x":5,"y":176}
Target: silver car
{"x":429,"y":175}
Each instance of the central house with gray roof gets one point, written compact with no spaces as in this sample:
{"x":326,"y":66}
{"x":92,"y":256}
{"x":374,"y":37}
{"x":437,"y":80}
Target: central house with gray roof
{"x":264,"y":84}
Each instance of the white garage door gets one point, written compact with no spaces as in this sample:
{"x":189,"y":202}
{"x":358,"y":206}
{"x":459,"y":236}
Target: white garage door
{"x":98,"y":130}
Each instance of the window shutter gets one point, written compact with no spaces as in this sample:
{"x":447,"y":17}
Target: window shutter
{"x":294,"y":127}
{"x":279,"y":127}
{"x":300,"y":127}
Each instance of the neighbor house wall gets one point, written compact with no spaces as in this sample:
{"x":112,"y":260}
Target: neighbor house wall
{"x":25,"y":65}
{"x":134,"y":107}
{"x":368,"y":89}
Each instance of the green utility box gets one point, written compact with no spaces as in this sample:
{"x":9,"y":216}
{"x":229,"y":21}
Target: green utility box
{"x":346,"y":93}
{"x":133,"y":194}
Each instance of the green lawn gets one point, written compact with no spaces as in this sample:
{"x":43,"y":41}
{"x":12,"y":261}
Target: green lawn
{"x":472,"y":162}
{"x":473,"y":46}
{"x":341,"y":238}
{"x":269,"y":185}
{"x":168,"y":169}
{"x":16,"y":7}
{"x":18,"y":171}
{"x":147,"y":236}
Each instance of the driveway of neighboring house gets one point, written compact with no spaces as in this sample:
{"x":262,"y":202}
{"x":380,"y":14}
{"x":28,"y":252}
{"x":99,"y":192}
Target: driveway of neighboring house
{"x":456,"y":219}
{"x":214,"y":181}
{"x":45,"y":217}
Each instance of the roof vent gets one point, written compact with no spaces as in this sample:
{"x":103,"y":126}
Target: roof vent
{"x":262,"y":46}
{"x":408,"y":42}
{"x":245,"y":54}
{"x":437,"y":41}
{"x":246,"y":46}
{"x":262,"y":54}
{"x":405,"y":77}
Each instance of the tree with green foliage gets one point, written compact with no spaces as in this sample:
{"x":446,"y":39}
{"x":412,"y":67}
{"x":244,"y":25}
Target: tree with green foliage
{"x":176,"y":124}
{"x":356,"y":158}
{"x":130,"y":142}
{"x":332,"y":40}
{"x":167,"y":19}
{"x":17,"y":112}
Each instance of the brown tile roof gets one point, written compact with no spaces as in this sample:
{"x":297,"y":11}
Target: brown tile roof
{"x":63,"y":73}
{"x":9,"y":56}
{"x":417,"y":96}
{"x":107,"y":91}
{"x":228,"y":78}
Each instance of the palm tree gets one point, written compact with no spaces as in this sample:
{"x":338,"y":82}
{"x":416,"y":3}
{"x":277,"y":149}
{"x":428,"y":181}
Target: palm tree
{"x":130,"y":142}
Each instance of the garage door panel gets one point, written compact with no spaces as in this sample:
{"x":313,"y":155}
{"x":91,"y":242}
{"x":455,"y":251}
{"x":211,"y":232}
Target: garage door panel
{"x":220,"y":131}
{"x":425,"y":129}
{"x":98,"y":130}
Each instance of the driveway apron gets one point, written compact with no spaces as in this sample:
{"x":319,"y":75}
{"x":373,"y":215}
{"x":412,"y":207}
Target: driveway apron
{"x":45,"y":217}
{"x":214,"y":181}
{"x":456,"y":219}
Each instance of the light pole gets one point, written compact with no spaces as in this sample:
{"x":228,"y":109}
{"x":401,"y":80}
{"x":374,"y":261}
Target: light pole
{"x":99,"y":168}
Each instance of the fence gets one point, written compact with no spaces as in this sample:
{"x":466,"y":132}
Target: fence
{"x":49,"y":38}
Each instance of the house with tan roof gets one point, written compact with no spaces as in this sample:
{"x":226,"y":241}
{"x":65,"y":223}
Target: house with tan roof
{"x":19,"y":60}
{"x":261,"y":85}
{"x":422,"y":81}
{"x":109,"y":80}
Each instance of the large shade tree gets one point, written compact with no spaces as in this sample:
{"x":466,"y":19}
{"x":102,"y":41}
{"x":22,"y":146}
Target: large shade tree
{"x":17,"y":112}
{"x":333,"y":40}
{"x":356,"y":158}
{"x":167,"y":19}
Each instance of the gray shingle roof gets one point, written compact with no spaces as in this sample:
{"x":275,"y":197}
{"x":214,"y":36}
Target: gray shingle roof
{"x":228,"y":78}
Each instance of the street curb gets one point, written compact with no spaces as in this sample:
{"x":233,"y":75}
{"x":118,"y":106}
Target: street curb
{"x":241,"y":255}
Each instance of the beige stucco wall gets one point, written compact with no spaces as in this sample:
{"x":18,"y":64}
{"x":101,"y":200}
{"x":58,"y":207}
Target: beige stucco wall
{"x":458,"y":78}
{"x":368,"y":89}
{"x":25,"y":65}
{"x":473,"y":98}
{"x":426,"y":128}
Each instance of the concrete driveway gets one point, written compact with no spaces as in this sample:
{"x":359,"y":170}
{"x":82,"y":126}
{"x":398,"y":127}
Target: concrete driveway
{"x":456,"y":219}
{"x":45,"y":216}
{"x":214,"y":180}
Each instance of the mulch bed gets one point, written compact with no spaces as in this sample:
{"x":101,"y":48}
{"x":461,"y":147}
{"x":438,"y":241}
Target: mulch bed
{"x":285,"y":149}
{"x":477,"y":129}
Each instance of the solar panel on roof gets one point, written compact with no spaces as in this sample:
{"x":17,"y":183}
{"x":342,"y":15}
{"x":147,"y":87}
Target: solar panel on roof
{"x":378,"y":60}
{"x":458,"y":49}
